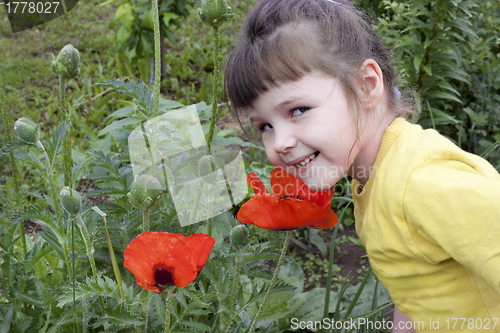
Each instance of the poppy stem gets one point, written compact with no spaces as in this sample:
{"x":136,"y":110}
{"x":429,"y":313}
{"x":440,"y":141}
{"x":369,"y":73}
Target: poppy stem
{"x":168,"y":306}
{"x":50,"y":176}
{"x":145,"y":308}
{"x":19,"y":199}
{"x":273,"y":282}
{"x":145,"y":220}
{"x":215,"y":87}
{"x":234,"y":286}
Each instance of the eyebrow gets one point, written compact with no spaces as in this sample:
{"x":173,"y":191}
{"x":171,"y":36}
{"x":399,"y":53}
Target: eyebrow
{"x":282,"y":105}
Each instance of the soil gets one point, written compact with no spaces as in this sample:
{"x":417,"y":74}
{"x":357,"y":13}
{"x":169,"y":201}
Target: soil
{"x":349,"y":259}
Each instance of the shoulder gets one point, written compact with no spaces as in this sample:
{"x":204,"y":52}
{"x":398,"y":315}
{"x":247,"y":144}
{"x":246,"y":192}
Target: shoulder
{"x":427,"y":154}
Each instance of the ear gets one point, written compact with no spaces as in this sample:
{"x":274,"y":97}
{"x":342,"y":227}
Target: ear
{"x":372,"y":83}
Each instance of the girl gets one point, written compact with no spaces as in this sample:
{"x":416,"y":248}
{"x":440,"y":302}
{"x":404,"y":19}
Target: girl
{"x":317,"y":82}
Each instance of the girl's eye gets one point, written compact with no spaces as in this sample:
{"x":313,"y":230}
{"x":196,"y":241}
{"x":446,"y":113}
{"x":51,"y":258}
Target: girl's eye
{"x":265,"y":127}
{"x":299,"y":111}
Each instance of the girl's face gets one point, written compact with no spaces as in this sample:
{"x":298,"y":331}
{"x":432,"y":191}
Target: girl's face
{"x":307,"y":129}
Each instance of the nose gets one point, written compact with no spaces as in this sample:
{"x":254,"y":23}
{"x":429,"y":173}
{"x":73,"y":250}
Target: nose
{"x":283,"y":141}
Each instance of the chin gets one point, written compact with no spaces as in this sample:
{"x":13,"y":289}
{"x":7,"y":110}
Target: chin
{"x":317,"y":185}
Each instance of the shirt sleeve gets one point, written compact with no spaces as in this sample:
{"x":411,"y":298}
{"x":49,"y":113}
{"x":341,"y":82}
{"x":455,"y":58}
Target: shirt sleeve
{"x":455,"y":212}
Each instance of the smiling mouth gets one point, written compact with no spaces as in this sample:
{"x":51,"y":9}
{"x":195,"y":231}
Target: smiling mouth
{"x":307,"y":160}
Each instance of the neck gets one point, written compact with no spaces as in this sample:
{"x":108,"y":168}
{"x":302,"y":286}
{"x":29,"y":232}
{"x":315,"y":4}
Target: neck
{"x":369,"y":146}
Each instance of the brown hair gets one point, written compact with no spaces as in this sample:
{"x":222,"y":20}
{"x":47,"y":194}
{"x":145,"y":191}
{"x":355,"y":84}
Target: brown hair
{"x":282,"y":40}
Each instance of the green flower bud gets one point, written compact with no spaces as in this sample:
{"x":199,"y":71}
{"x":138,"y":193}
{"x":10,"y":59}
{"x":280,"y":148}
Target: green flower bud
{"x":67,"y":63}
{"x":207,"y":167}
{"x":214,"y":12}
{"x":145,"y":192}
{"x":26,"y":130}
{"x":239,"y":235}
{"x":71,"y":201}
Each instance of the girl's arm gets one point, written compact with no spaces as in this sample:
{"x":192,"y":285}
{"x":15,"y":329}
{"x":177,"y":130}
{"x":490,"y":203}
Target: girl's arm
{"x":403,"y":319}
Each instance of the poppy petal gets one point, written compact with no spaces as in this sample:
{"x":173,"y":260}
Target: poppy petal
{"x":329,"y":221}
{"x":167,"y":252}
{"x":257,"y":184}
{"x":283,"y":184}
{"x":322,"y":199}
{"x":200,"y":245}
{"x":266,"y":211}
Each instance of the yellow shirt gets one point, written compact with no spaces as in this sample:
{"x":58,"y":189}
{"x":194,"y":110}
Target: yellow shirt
{"x":429,"y":217}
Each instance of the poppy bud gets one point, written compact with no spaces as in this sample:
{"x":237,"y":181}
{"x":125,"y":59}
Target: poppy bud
{"x":71,"y":202}
{"x":239,"y":236}
{"x":214,"y":12}
{"x":67,"y":63}
{"x":26,"y":130}
{"x":207,"y":168}
{"x":145,"y":192}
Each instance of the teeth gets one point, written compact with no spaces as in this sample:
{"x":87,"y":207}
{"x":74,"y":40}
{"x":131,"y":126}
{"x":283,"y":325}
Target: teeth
{"x":307,"y":160}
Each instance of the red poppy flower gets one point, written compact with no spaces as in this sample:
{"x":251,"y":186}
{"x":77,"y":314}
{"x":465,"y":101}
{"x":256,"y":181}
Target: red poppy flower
{"x":291,"y":206}
{"x":162,"y":259}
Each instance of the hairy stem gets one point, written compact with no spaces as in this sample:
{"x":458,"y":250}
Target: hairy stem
{"x":234,"y":286}
{"x":273,"y":282}
{"x":214,"y":102}
{"x":67,"y":143}
{"x":145,"y":309}
{"x":145,"y":220}
{"x":88,"y":244}
{"x":156,"y":91}
{"x":168,"y":306}
{"x":215,"y":88}
{"x":12,"y":158}
{"x":50,"y":176}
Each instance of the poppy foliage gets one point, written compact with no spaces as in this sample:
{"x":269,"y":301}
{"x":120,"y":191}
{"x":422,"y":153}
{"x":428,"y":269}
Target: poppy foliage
{"x":291,"y":206}
{"x":162,"y":259}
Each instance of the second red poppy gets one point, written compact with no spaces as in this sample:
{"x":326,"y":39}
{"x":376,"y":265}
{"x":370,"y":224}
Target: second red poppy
{"x":291,"y":206}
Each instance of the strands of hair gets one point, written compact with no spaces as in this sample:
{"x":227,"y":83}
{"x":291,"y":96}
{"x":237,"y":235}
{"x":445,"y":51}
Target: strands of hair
{"x":282,"y":40}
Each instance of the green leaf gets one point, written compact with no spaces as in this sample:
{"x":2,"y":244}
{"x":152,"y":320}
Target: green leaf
{"x":54,"y":145}
{"x":123,"y":34}
{"x":318,"y":241}
{"x":116,"y":269}
{"x":8,"y":318}
{"x":197,"y":326}
{"x":126,"y":111}
{"x":444,"y":95}
{"x":147,"y":19}
{"x":140,"y":93}
{"x":13,"y":145}
{"x":417,"y":60}
{"x":146,"y":47}
{"x":38,"y":255}
{"x":168,"y":16}
{"x":120,"y":124}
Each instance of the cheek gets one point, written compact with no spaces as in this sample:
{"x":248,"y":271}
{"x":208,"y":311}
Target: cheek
{"x":271,"y":154}
{"x":272,"y":157}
